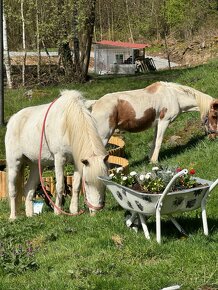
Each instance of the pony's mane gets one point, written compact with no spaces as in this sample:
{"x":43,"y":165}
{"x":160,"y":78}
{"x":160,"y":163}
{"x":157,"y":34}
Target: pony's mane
{"x":83,"y":136}
{"x":203,"y":100}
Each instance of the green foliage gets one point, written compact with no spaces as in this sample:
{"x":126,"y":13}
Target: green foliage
{"x":99,"y":252}
{"x":17,"y":258}
{"x":176,"y":12}
{"x":113,"y":20}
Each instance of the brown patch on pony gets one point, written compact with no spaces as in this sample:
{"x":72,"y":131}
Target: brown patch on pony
{"x":124,"y":118}
{"x":113,"y":119}
{"x":163,"y":112}
{"x":153,"y":88}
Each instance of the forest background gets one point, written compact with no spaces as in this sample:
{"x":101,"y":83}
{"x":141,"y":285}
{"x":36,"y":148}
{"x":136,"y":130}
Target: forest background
{"x":175,"y":29}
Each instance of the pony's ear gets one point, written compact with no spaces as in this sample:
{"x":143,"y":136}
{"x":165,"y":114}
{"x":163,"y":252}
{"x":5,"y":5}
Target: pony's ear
{"x":106,"y":158}
{"x":89,"y":104}
{"x":214,"y":105}
{"x":85,"y":162}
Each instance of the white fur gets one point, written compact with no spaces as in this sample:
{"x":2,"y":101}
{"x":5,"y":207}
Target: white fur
{"x":70,"y":136}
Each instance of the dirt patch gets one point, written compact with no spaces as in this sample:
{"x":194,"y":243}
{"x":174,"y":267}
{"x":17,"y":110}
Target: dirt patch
{"x":191,"y":53}
{"x":192,"y":128}
{"x":33,"y":60}
{"x":212,"y":287}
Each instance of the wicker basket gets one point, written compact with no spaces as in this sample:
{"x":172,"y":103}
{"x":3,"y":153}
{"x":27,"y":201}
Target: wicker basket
{"x":119,"y":146}
{"x":115,"y":162}
{"x":3,"y":188}
{"x":49,"y":181}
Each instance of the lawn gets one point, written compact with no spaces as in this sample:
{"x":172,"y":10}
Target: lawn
{"x":60,"y":252}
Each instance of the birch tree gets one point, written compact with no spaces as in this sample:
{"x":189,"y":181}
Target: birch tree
{"x":23,"y":41}
{"x":38,"y":41}
{"x":6,"y":53}
{"x":129,"y":24}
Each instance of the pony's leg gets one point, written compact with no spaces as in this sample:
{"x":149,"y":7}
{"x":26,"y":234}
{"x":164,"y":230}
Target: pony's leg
{"x":60,"y":186}
{"x":161,"y":128}
{"x":12,"y":181}
{"x":30,"y":188}
{"x":74,"y":204}
{"x":153,"y":142}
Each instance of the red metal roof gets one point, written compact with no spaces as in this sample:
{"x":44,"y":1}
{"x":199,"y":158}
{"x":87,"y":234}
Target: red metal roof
{"x":123,"y":44}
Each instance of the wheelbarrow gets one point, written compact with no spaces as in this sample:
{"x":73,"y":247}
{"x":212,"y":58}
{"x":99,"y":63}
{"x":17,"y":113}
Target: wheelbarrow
{"x":145,"y":205}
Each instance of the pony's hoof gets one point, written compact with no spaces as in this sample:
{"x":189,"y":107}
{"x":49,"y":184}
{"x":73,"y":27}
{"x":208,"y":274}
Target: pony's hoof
{"x":92,"y":212}
{"x":153,"y":162}
{"x":12,"y":218}
{"x":74,"y":210}
{"x":29,"y":215}
{"x":57,"y":212}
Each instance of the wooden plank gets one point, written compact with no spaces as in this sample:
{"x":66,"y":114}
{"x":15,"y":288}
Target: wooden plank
{"x":4,"y":186}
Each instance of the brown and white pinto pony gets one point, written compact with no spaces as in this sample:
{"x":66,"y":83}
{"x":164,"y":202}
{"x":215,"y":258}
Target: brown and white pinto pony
{"x":156,"y":105}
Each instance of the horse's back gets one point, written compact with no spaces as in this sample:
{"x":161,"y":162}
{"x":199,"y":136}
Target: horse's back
{"x":68,"y":124}
{"x":30,"y":119}
{"x":23,"y":129}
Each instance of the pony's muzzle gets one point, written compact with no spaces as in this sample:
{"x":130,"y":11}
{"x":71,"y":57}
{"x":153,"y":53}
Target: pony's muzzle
{"x":93,"y":211}
{"x":93,"y":208}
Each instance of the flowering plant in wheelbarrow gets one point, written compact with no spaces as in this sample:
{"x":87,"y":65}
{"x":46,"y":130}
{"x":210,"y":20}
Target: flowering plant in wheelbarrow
{"x":161,"y":191}
{"x":156,"y":180}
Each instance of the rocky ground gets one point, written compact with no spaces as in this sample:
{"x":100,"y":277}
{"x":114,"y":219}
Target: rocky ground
{"x":191,"y":53}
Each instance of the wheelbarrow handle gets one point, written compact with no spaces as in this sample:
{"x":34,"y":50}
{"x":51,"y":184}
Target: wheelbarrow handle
{"x":169,"y":185}
{"x":213,"y":185}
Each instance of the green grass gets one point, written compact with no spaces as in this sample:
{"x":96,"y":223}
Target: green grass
{"x":100,"y":252}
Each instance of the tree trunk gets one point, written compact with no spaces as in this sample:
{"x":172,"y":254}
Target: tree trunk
{"x":89,"y":31}
{"x":165,"y":31}
{"x":6,"y":54}
{"x":167,"y":50}
{"x":100,"y":19}
{"x":128,"y":18}
{"x":38,"y":43}
{"x":24,"y":43}
{"x":76,"y":63}
{"x":108,"y":21}
{"x":64,"y":50}
{"x":48,"y":55}
{"x":76,"y":44}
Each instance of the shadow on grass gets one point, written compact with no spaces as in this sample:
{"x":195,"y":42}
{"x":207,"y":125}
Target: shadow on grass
{"x":139,"y":162}
{"x":162,"y":75}
{"x":189,"y":224}
{"x":169,"y":152}
{"x":178,"y":149}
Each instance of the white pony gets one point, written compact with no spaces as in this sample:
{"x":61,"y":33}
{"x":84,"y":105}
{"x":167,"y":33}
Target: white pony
{"x":156,"y":105}
{"x":70,"y":135}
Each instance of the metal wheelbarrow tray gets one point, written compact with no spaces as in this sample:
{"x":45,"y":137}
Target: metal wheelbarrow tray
{"x":166,"y":203}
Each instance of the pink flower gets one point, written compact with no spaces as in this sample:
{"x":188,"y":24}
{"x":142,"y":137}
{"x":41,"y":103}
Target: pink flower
{"x":178,"y":169}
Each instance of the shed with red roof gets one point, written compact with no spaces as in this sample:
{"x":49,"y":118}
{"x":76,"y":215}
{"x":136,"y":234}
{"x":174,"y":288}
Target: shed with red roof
{"x":118,"y":57}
